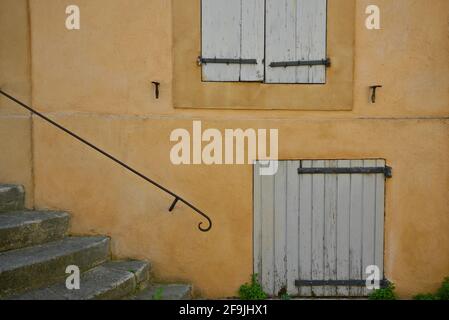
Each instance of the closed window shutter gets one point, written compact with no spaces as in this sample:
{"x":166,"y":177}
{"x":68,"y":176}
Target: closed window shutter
{"x":295,"y":31}
{"x":233,"y":29}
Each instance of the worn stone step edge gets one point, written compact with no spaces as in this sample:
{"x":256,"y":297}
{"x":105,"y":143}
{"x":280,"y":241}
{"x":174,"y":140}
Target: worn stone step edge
{"x":12,"y":197}
{"x":45,"y":264}
{"x":21,"y":229}
{"x":110,"y":281}
{"x":164,"y":292}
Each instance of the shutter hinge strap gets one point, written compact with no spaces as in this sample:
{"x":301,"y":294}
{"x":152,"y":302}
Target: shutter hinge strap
{"x":202,"y":60}
{"x":387,"y":171}
{"x":351,"y":283}
{"x":325,"y":62}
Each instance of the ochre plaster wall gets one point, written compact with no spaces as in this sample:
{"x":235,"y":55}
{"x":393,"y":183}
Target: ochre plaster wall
{"x":15,"y":124}
{"x":97,"y":82}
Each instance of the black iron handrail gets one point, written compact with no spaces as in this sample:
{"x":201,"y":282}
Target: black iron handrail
{"x":177,"y":197}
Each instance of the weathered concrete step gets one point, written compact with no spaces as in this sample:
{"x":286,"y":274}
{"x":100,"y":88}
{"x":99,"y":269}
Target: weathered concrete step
{"x":12,"y":197}
{"x":21,"y":229}
{"x":112,"y":280}
{"x":165,"y":292}
{"x":44,"y":264}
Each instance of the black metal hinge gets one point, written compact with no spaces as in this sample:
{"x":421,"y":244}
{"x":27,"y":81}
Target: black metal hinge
{"x":350,"y":283}
{"x":387,"y":171}
{"x":325,"y":62}
{"x":202,"y":60}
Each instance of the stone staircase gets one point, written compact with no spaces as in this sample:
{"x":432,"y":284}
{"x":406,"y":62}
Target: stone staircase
{"x":35,"y":252}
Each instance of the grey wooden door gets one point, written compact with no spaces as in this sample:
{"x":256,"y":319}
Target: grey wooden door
{"x":314,"y":226}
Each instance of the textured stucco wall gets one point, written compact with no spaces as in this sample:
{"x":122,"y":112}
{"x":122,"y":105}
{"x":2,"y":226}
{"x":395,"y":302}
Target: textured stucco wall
{"x":97,"y":81}
{"x":15,"y":124}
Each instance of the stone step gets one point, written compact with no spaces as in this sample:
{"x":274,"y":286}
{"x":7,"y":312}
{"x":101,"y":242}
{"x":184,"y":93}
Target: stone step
{"x":21,"y":229}
{"x":45,"y":264}
{"x":165,"y":292}
{"x":112,"y":280}
{"x":12,"y":197}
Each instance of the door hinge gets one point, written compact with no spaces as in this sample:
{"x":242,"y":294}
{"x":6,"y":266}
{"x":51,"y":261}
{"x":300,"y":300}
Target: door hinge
{"x":325,"y":62}
{"x":351,"y":283}
{"x":387,"y":171}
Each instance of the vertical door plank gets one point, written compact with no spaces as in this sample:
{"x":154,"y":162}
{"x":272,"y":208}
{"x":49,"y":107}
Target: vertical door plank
{"x":311,"y":39}
{"x":280,"y":217}
{"x":355,"y":227}
{"x":318,"y":197}
{"x":368,"y":219}
{"x":280,"y":39}
{"x":330,"y":229}
{"x":292,"y":227}
{"x":267,"y":277}
{"x":221,"y":38}
{"x":379,"y":220}
{"x":343,"y":209}
{"x":257,"y":221}
{"x":253,"y":39}
{"x":305,"y":228}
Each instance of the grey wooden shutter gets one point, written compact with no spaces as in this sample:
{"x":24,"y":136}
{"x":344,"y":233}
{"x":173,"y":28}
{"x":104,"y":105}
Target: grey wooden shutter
{"x":232,"y":29}
{"x":318,"y":226}
{"x":295,"y":31}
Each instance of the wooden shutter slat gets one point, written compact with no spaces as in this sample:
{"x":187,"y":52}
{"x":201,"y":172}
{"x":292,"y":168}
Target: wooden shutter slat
{"x":355,"y":228}
{"x":311,"y":39}
{"x":253,"y":39}
{"x":305,"y":229}
{"x":267,"y":213}
{"x":280,"y":40}
{"x":292,"y":246}
{"x":280,"y":220}
{"x":343,"y":210}
{"x":330,"y":228}
{"x":318,"y":200}
{"x":220,"y":29}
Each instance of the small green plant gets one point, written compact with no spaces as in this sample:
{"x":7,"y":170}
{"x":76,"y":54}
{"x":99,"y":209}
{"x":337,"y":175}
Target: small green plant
{"x":441,"y":294}
{"x":443,"y":291}
{"x":252,"y":291}
{"x":386,"y":293}
{"x":158,"y":294}
{"x":285,"y":296}
{"x":425,"y":296}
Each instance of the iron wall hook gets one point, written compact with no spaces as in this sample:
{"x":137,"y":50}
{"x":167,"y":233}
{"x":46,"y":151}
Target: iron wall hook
{"x":373,"y":94}
{"x":156,"y":88}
